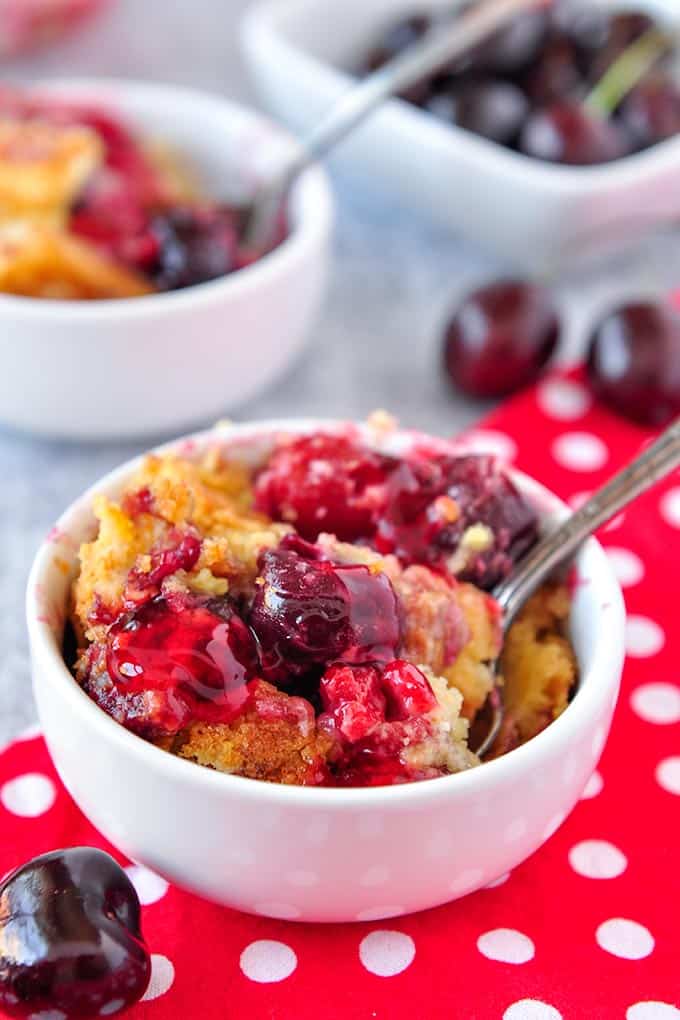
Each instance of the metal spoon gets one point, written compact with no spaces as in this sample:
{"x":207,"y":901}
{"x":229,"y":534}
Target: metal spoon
{"x":443,"y":44}
{"x":657,"y":461}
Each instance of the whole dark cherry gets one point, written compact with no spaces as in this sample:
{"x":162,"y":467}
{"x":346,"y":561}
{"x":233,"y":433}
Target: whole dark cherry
{"x":71,"y":942}
{"x":651,"y":112}
{"x":569,"y":133}
{"x":555,"y":75}
{"x":500,"y":338}
{"x":309,"y":611}
{"x":195,"y":245}
{"x":490,"y":107}
{"x":397,"y":38}
{"x":634,"y":363}
{"x":515,"y":46}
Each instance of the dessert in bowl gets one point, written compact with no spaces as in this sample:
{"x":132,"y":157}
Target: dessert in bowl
{"x":100,"y":212}
{"x":344,"y":673}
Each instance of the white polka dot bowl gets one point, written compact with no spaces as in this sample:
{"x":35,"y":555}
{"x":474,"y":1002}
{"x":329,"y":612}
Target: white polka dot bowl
{"x":319,"y":854}
{"x":163,"y":363}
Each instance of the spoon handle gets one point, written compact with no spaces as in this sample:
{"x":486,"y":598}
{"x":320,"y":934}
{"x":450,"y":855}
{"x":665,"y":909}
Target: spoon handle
{"x":641,"y":474}
{"x":438,"y":47}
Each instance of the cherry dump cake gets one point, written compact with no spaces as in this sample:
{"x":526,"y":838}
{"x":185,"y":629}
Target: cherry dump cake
{"x":321,"y":619}
{"x":90,"y":210}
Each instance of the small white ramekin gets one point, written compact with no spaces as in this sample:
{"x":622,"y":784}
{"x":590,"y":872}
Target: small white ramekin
{"x":159,"y":364}
{"x":536,"y":215}
{"x":309,"y":853}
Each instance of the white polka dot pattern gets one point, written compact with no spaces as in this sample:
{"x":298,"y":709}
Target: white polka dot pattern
{"x":668,"y":775}
{"x":580,"y":451}
{"x":628,"y":567}
{"x":595,"y":858}
{"x":112,"y":1007}
{"x":652,"y":1010}
{"x":466,"y":881}
{"x":267,"y":961}
{"x":386,"y":953}
{"x":670,"y":507}
{"x":149,"y":886}
{"x":531,"y":1009}
{"x":506,"y":946}
{"x":593,"y":787}
{"x":498,"y":444}
{"x":162,"y":977}
{"x":624,"y":938}
{"x":28,"y":796}
{"x":501,"y":880}
{"x":644,"y":637}
{"x":563,"y":400}
{"x":380,"y":913}
{"x":657,"y":703}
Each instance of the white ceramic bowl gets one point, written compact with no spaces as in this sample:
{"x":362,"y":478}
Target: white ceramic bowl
{"x":309,"y":853}
{"x":534,"y":214}
{"x":145,"y":366}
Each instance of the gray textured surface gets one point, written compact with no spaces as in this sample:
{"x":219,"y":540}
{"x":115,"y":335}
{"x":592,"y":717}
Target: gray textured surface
{"x":376,"y":344}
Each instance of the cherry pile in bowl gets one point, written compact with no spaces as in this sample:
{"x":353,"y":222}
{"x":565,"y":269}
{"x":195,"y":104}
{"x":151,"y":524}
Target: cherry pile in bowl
{"x":525,"y":88}
{"x":503,"y":334}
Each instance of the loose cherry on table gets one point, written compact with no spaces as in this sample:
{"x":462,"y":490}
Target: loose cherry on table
{"x":70,"y":937}
{"x":500,"y":338}
{"x":634,"y":363}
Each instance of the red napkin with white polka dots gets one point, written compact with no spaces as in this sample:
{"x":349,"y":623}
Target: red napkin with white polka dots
{"x":587,"y":929}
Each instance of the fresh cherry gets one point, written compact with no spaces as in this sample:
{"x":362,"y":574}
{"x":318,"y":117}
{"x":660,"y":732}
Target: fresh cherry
{"x":500,"y":338}
{"x":394,"y":41}
{"x":175,"y":659}
{"x":70,"y":937}
{"x":195,"y":244}
{"x":568,"y":133}
{"x":492,"y":108}
{"x":515,"y":46}
{"x":309,"y":611}
{"x":555,"y":75}
{"x":634,"y":363}
{"x":651,"y":112}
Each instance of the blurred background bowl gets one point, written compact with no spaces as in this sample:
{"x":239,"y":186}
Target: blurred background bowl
{"x":144,"y":366}
{"x":535,"y":215}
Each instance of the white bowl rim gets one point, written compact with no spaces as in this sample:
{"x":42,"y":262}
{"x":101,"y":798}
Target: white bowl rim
{"x":261,"y":19}
{"x":606,"y":660}
{"x":311,"y":198}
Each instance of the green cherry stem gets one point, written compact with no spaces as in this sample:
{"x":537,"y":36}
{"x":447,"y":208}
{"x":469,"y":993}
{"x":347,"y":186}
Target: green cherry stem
{"x":627,"y":71}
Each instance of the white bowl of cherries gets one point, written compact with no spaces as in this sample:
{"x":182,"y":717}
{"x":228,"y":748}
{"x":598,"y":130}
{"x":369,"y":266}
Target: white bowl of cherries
{"x":500,"y":148}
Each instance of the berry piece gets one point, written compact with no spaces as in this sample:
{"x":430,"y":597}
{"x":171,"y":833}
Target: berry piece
{"x":500,"y":338}
{"x":195,"y":245}
{"x":407,"y":691}
{"x":70,"y":937}
{"x":634,"y":363}
{"x":308,"y":612}
{"x":324,"y":483}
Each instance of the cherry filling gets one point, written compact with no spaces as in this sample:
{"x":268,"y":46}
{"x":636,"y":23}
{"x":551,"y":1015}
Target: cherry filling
{"x":374,"y":714}
{"x":181,"y":554}
{"x":197,"y":655}
{"x":309,"y":611}
{"x":325,"y":483}
{"x":335,"y":484}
